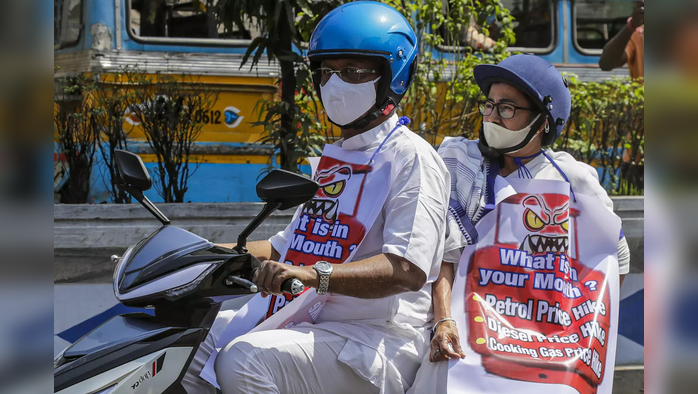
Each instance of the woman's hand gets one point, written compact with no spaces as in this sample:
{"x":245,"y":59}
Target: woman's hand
{"x":446,"y":343}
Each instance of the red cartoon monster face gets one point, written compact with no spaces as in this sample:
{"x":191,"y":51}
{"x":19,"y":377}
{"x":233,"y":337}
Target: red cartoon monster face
{"x":333,"y":182}
{"x":547,"y":216}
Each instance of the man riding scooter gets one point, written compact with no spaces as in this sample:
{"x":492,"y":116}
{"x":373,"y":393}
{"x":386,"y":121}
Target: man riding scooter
{"x":373,"y":236}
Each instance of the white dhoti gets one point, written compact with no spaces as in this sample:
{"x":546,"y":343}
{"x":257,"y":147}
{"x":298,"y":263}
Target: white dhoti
{"x":432,"y":377}
{"x":301,"y":360}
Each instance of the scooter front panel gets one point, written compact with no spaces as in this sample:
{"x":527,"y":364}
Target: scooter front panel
{"x":153,"y":374}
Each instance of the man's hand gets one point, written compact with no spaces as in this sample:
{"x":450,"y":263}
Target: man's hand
{"x":638,"y":18}
{"x":271,"y":274}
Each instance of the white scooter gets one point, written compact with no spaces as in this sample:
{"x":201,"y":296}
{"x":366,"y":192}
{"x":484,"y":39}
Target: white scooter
{"x":184,"y":278}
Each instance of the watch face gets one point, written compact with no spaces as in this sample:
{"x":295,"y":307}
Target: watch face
{"x":323,"y":267}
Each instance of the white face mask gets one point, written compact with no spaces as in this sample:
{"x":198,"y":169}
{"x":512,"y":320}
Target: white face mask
{"x":499,"y":137}
{"x":345,"y":102}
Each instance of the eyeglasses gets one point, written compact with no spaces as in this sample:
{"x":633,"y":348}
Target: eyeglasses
{"x":505,"y":110}
{"x":349,"y":74}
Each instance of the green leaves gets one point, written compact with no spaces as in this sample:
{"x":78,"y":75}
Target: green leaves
{"x":290,"y":125}
{"x":443,"y":96}
{"x":304,"y":141}
{"x":258,"y":44}
{"x":606,"y":130}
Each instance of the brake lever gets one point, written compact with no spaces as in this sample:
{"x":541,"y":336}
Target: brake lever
{"x":236,"y":280}
{"x":292,"y":286}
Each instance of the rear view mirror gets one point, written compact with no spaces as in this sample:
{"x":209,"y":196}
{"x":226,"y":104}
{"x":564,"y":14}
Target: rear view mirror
{"x":136,"y":180}
{"x":286,"y":189}
{"x":132,"y":170}
{"x":280,"y":189}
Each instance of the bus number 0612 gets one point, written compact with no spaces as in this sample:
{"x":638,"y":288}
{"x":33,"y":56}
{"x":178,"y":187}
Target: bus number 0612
{"x":208,"y":117}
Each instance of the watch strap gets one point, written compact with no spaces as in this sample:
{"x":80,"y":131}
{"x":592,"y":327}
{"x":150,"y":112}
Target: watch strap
{"x":324,"y":280}
{"x":324,"y":284}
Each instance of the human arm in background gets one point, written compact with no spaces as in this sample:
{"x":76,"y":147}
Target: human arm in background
{"x":614,"y":52}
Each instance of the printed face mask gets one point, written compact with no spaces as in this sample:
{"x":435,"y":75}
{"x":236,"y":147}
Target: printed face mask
{"x":499,"y":137}
{"x":345,"y":102}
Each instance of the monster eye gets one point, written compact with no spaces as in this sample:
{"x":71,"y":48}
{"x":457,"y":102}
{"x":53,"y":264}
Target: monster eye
{"x":532,"y":221}
{"x":565,"y":225}
{"x":334,"y":189}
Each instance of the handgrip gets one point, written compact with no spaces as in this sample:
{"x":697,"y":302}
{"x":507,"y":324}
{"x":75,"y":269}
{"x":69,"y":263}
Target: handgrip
{"x":292,"y":286}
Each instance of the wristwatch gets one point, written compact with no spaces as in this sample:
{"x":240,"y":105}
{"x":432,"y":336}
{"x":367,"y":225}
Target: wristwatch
{"x":324,"y":270}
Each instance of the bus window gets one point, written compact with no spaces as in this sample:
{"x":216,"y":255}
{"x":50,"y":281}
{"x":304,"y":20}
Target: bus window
{"x":534,"y":26}
{"x":597,"y":21}
{"x":182,"y":19}
{"x":67,"y":22}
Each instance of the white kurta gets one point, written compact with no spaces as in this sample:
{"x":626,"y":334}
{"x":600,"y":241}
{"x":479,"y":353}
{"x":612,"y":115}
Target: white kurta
{"x":386,"y":338}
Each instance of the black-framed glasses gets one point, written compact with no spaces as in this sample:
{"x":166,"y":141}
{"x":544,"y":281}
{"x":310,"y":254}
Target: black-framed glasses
{"x":505,"y":110}
{"x":348,"y":74}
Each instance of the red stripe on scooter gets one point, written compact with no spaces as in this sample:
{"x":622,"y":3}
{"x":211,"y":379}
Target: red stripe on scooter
{"x":154,"y":369}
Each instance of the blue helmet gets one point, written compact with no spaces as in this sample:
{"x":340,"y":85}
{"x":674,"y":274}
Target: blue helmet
{"x":369,"y":29}
{"x":538,"y":79}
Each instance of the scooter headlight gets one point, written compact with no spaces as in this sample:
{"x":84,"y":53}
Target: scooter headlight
{"x":182,"y":290}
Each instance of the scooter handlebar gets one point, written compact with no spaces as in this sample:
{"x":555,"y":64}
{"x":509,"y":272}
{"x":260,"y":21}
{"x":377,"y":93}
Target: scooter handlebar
{"x":292,"y":286}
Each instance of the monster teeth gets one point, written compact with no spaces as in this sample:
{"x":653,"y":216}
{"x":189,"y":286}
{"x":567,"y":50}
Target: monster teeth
{"x":540,"y":248}
{"x":328,"y":205}
{"x":526,"y":244}
{"x":332,"y":214}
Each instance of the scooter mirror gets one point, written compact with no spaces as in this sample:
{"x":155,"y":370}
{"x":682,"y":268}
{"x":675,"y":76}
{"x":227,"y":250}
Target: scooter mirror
{"x":280,"y":189}
{"x":136,"y":180}
{"x":132,"y":170}
{"x":286,"y":189}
